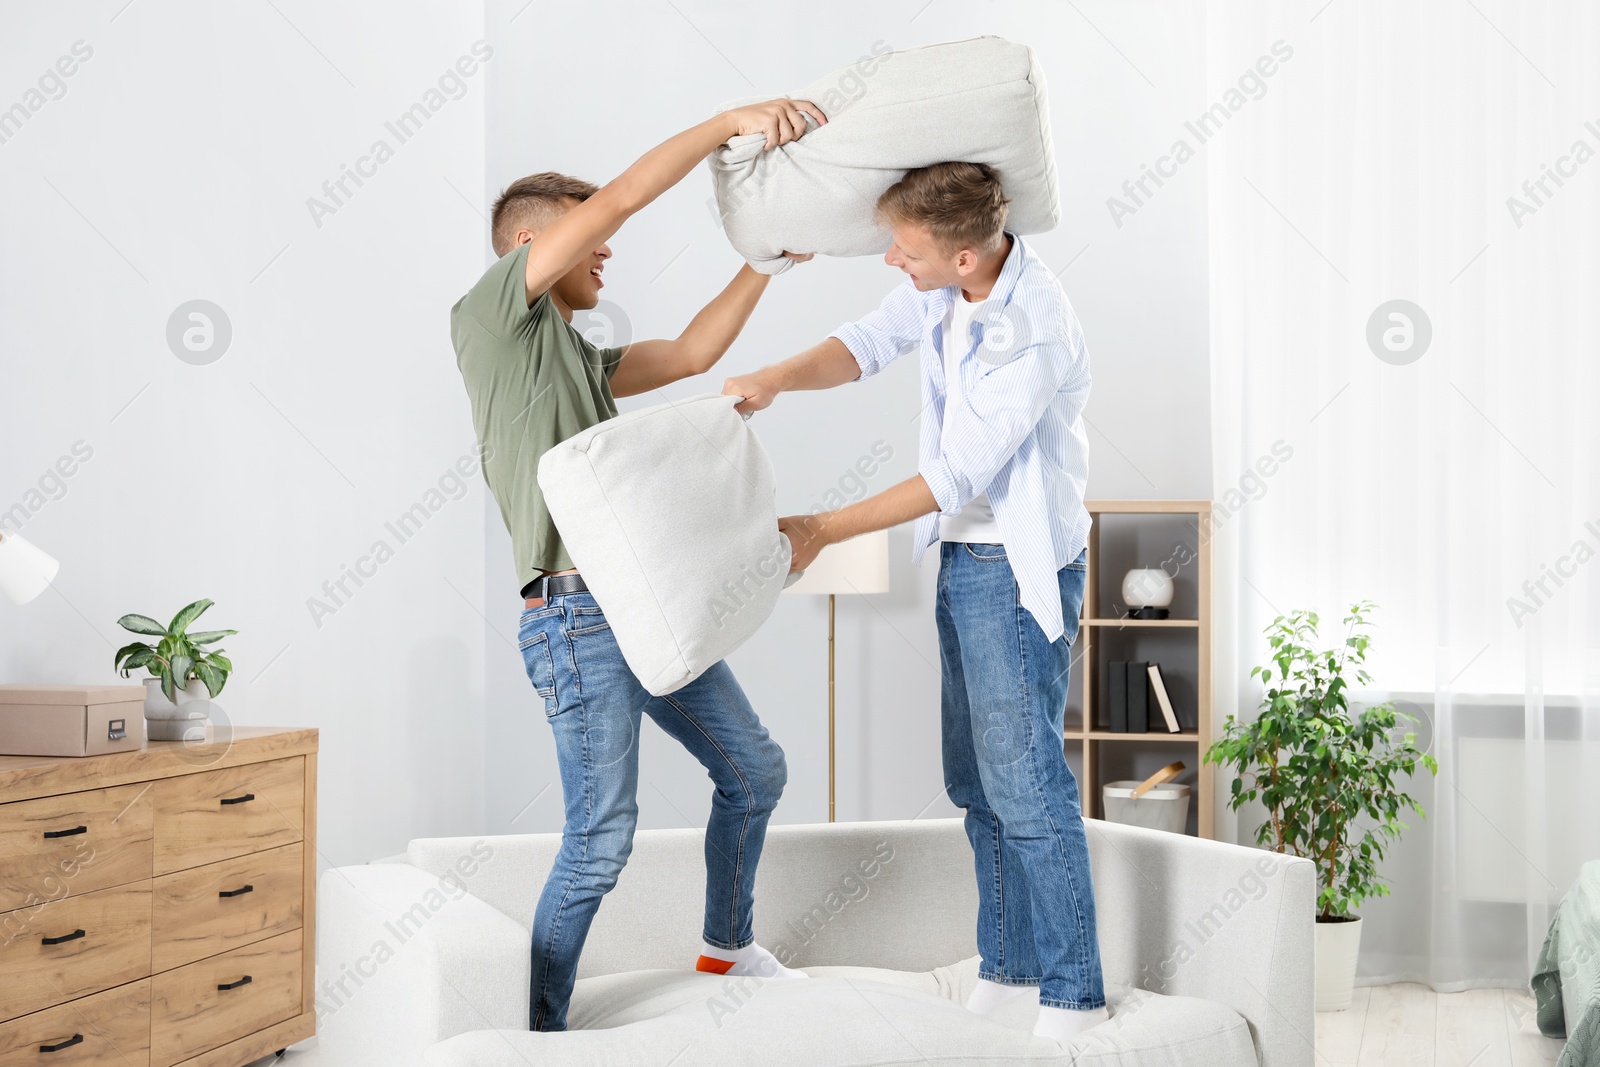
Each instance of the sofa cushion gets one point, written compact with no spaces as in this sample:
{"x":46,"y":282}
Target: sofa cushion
{"x":886,"y":894}
{"x":668,"y":513}
{"x":621,"y":999}
{"x":981,"y":100}
{"x":666,"y":1017}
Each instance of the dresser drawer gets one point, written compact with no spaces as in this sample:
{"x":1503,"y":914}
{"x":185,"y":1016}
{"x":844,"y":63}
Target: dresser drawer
{"x":217,"y":815}
{"x":190,"y":1014}
{"x":206,"y":910}
{"x":110,"y":1029}
{"x":73,"y":843}
{"x":101,"y":940}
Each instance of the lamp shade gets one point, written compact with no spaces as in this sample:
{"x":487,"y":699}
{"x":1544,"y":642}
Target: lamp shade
{"x":859,"y":565}
{"x":25,"y":572}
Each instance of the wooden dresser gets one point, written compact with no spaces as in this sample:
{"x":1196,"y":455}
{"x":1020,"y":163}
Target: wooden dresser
{"x":156,"y":906}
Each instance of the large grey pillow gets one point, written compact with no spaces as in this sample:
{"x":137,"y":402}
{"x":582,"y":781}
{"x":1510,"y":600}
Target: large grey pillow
{"x":668,"y":513}
{"x":981,"y":101}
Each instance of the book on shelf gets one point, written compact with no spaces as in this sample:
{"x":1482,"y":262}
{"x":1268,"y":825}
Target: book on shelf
{"x":1158,"y":686}
{"x":1117,"y":695}
{"x":1138,"y":688}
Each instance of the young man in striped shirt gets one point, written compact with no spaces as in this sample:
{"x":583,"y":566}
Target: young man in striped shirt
{"x":1001,"y":475}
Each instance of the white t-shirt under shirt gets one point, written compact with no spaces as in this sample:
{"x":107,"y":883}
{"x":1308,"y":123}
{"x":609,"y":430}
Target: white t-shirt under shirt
{"x":974,"y":522}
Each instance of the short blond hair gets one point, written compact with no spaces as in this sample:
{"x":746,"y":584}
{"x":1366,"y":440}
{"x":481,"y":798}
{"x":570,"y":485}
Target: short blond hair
{"x":532,"y":203}
{"x":963,"y":205}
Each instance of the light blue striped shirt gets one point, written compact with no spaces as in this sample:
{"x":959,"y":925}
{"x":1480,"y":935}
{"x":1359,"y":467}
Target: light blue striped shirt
{"x":1018,"y":432}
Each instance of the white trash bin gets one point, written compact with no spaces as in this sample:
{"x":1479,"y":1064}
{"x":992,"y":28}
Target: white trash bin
{"x":1163,"y":807}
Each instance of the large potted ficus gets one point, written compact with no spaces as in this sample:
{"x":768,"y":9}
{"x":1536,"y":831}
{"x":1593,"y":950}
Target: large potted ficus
{"x":185,"y":673}
{"x":1332,"y":778}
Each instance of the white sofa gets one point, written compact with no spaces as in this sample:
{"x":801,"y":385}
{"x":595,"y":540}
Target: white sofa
{"x":1207,"y":952}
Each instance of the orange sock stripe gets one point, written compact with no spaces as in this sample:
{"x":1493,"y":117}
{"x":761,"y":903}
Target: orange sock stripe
{"x":713,"y":965}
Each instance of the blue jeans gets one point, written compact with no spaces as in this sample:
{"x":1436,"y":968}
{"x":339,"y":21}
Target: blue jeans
{"x":593,"y":702}
{"x":1003,"y":698}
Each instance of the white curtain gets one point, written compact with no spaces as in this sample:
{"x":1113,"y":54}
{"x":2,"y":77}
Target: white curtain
{"x":1446,"y":154}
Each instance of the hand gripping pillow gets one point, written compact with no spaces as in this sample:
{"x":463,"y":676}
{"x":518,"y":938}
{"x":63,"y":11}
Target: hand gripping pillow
{"x":668,"y":514}
{"x":979,"y":101}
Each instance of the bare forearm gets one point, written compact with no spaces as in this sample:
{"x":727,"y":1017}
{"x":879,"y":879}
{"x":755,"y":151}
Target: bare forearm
{"x":900,"y":503}
{"x":569,"y":238}
{"x":708,"y":337}
{"x":565,"y":242}
{"x":780,"y":120}
{"x":822,"y":366}
{"x":666,"y":164}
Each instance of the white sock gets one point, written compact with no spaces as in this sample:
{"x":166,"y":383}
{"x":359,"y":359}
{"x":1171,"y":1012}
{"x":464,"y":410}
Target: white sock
{"x":987,"y":995}
{"x":751,"y":960}
{"x":1064,"y":1024}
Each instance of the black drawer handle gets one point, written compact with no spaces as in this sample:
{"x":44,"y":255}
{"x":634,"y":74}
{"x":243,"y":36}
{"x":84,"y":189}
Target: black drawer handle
{"x":238,"y":800}
{"x":75,"y":1039}
{"x":246,"y":980}
{"x":50,"y":835}
{"x":63,"y":939}
{"x":237,"y":892}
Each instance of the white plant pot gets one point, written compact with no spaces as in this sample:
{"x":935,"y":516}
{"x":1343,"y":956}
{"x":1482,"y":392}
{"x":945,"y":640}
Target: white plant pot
{"x":185,"y":720}
{"x":1337,"y":946}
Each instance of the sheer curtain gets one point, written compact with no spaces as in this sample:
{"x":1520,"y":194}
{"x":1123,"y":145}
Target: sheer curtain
{"x":1439,"y":456}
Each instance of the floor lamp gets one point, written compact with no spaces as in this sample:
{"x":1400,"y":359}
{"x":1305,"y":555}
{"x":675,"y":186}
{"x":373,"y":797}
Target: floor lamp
{"x":25,"y":572}
{"x":859,"y":565}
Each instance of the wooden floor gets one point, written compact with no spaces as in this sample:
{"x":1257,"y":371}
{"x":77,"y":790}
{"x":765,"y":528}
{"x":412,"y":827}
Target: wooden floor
{"x":1412,"y":1026}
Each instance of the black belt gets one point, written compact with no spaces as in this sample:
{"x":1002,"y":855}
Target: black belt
{"x":554,"y":585}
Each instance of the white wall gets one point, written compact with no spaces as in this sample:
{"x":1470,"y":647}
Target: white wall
{"x":177,"y":165}
{"x":585,"y":94}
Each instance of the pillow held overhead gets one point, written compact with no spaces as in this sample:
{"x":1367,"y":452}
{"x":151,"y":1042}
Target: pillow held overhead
{"x":977,"y":101}
{"x":668,"y":513}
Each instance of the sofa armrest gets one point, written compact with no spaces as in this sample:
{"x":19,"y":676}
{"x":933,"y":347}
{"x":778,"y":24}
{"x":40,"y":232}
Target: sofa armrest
{"x":406,"y":959}
{"x":1189,"y":917}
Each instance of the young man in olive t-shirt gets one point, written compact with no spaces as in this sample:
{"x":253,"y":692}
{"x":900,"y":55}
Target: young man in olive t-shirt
{"x":534,"y":381}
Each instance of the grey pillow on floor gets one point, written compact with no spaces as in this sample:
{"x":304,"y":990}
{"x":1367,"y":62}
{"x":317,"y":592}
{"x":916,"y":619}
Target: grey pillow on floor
{"x":668,"y":514}
{"x":981,"y":101}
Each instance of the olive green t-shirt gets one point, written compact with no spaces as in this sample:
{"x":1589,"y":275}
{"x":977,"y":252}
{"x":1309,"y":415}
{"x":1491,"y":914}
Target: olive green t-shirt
{"x":534,"y":381}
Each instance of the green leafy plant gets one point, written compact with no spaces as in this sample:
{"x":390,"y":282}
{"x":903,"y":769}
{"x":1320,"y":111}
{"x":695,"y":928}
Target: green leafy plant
{"x":179,"y":656}
{"x":1331,"y":777}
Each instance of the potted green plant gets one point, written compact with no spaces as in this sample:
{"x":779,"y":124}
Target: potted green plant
{"x":185,"y":674}
{"x":1332,"y":778}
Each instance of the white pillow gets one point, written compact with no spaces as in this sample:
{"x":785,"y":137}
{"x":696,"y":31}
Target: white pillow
{"x":668,"y":514}
{"x":980,"y":101}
